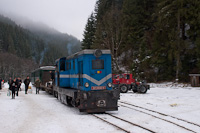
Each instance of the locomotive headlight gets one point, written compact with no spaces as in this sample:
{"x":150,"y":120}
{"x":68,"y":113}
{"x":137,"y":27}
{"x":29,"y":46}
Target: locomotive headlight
{"x":109,"y":85}
{"x":87,"y":84}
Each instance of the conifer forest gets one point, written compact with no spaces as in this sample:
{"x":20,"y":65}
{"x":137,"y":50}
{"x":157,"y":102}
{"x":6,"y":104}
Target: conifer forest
{"x":156,"y":40}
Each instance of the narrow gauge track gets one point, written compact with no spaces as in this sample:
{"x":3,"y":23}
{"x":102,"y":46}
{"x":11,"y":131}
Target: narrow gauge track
{"x":191,"y":123}
{"x":120,"y":128}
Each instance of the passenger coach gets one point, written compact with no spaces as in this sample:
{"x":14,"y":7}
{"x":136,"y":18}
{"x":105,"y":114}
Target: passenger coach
{"x":84,"y":80}
{"x":43,"y":73}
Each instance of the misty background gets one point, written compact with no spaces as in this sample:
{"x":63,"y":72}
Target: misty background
{"x":36,"y":33}
{"x":66,"y":16}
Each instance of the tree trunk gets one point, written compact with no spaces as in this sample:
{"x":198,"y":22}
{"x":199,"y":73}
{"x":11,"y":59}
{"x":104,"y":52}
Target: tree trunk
{"x":178,"y":47}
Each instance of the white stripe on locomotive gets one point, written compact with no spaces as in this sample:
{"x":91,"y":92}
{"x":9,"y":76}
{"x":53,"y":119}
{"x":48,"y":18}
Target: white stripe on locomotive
{"x":88,"y":78}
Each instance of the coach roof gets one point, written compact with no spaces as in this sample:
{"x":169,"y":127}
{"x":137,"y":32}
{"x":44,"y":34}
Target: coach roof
{"x":50,"y":68}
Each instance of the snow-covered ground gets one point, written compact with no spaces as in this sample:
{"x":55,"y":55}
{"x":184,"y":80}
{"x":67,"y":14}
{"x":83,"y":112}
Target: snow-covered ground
{"x":41,"y":113}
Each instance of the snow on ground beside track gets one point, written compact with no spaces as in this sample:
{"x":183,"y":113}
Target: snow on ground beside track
{"x":43,"y":113}
{"x":179,"y":101}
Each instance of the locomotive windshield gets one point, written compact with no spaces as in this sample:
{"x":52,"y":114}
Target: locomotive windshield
{"x":97,"y":64}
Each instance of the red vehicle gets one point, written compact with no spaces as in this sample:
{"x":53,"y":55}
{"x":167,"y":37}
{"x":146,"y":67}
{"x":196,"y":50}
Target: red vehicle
{"x":126,"y":82}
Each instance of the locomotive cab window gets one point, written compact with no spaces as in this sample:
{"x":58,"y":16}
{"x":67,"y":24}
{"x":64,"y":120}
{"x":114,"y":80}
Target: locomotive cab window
{"x":97,"y":64}
{"x":62,"y":65}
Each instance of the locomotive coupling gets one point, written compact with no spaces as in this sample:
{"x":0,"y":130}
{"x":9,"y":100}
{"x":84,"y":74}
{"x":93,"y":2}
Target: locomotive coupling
{"x":101,"y":103}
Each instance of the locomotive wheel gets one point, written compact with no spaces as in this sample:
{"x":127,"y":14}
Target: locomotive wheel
{"x":142,"y":89}
{"x":123,"y":89}
{"x":69,"y":101}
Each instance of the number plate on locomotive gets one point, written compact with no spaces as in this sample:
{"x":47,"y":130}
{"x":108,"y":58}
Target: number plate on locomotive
{"x":98,"y":87}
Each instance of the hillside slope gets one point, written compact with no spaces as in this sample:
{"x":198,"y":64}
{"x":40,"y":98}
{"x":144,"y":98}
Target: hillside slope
{"x":38,"y":43}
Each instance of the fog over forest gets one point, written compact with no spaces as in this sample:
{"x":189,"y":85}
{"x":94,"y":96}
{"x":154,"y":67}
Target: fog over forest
{"x":65,"y":16}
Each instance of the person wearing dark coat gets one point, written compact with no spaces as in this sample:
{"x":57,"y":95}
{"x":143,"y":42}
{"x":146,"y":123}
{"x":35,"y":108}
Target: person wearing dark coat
{"x":14,"y":86}
{"x":26,"y":82}
{"x":52,"y":74}
{"x":0,"y":84}
{"x":10,"y":83}
{"x":37,"y":85}
{"x":18,"y":85}
{"x":17,"y":89}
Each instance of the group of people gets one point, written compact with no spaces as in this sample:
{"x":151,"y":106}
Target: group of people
{"x":15,"y":85}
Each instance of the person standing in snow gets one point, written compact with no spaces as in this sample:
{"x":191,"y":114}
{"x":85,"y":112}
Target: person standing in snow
{"x":26,"y":82}
{"x":17,"y":89}
{"x":37,"y":85}
{"x":10,"y":83}
{"x":52,"y":75}
{"x":0,"y":84}
{"x":14,"y":86}
{"x":19,"y":84}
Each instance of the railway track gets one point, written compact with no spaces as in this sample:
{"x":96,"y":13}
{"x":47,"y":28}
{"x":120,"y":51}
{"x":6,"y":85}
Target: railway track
{"x":146,"y":111}
{"x":104,"y":118}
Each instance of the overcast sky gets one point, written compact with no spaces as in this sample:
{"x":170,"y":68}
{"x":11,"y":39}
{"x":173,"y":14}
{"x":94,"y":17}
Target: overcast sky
{"x":67,"y":16}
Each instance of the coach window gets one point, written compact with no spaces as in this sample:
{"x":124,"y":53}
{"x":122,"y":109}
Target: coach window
{"x":62,"y":65}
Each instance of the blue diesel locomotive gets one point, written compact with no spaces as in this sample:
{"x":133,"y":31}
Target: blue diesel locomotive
{"x":84,"y":80}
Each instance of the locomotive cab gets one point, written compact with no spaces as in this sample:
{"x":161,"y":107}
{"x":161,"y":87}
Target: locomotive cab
{"x":60,"y":79}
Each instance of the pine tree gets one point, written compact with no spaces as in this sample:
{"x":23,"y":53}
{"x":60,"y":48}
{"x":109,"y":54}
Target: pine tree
{"x":138,"y":33}
{"x":89,"y":33}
